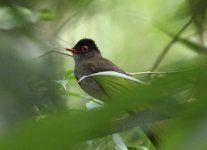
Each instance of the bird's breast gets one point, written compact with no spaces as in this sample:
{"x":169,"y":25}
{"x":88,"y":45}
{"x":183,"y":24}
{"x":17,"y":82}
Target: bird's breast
{"x":90,"y":86}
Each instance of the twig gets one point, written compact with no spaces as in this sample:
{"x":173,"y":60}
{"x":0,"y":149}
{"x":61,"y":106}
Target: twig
{"x":195,"y":33}
{"x":150,"y":72}
{"x":168,"y":46}
{"x":55,"y":51}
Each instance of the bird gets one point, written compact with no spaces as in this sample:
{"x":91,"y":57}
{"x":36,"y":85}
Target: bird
{"x":89,"y":60}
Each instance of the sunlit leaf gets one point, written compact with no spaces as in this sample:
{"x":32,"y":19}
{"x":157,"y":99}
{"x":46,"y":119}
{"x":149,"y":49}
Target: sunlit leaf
{"x":114,"y":83}
{"x":92,"y":105}
{"x":63,"y":83}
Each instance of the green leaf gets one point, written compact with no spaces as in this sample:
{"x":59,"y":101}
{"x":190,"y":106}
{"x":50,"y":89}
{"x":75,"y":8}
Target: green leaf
{"x":69,"y":75}
{"x":63,"y":83}
{"x":58,"y":131}
{"x":114,"y":83}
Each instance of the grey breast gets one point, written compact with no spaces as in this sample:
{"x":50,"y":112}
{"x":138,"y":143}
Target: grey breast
{"x":89,"y":85}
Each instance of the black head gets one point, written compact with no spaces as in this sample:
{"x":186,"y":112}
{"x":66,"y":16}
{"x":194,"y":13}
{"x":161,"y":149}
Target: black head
{"x":84,"y":46}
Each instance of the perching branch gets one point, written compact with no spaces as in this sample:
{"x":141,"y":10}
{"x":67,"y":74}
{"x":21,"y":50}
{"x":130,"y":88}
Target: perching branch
{"x":149,"y":72}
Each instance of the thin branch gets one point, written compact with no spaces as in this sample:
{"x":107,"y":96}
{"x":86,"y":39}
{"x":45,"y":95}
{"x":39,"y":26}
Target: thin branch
{"x":55,"y":51}
{"x":149,"y":72}
{"x":169,"y":45}
{"x":196,"y":33}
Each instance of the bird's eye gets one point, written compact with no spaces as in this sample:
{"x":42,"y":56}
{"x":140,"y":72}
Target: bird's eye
{"x":84,"y":49}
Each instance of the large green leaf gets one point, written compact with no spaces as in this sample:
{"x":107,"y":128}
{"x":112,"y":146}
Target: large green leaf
{"x":115,"y":84}
{"x":67,"y":129}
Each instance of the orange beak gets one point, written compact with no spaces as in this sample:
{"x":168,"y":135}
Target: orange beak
{"x":72,"y":50}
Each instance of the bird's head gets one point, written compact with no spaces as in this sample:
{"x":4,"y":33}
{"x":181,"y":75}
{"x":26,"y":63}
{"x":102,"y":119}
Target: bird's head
{"x":85,"y":47}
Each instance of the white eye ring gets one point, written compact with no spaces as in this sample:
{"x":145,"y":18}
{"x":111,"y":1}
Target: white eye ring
{"x":84,"y":49}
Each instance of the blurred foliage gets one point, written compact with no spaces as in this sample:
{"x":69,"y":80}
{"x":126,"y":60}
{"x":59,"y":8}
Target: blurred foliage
{"x":15,"y":16}
{"x":41,"y":105}
{"x":47,"y":15}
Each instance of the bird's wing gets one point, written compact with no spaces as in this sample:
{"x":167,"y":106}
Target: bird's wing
{"x":103,"y":64}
